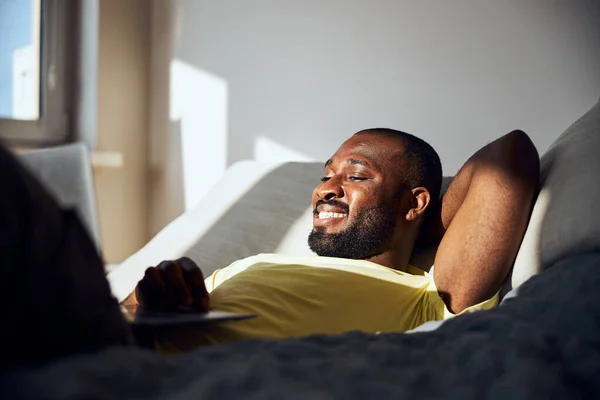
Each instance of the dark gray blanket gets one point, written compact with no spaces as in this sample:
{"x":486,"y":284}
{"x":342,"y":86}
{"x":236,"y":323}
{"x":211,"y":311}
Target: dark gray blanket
{"x":543,"y":344}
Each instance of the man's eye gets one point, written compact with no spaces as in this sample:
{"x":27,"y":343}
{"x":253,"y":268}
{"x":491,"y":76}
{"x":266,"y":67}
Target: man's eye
{"x":324,"y":179}
{"x":357,"y":178}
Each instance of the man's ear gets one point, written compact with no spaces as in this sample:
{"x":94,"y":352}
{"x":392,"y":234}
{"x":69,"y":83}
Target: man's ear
{"x":419,"y":202}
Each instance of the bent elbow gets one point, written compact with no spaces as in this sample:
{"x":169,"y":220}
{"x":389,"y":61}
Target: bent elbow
{"x":517,"y":155}
{"x":526,"y":159}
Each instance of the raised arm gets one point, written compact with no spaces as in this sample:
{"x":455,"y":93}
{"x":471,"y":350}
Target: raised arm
{"x":483,"y":218}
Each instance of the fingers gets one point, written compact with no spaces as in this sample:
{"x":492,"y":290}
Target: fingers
{"x":200,"y":299}
{"x":173,"y":277}
{"x":152,"y":292}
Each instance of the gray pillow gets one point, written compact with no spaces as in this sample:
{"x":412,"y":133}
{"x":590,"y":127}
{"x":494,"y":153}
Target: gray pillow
{"x":261,"y":219}
{"x":570,"y":173}
{"x":565,"y":220}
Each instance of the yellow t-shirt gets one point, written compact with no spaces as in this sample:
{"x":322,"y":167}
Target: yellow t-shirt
{"x":299,"y":296}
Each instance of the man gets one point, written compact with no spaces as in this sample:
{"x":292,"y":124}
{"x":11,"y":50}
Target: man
{"x":377,"y":200}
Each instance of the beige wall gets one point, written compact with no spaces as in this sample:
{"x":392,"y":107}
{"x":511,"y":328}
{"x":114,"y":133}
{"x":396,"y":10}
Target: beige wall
{"x":123,"y":78}
{"x":165,"y":174}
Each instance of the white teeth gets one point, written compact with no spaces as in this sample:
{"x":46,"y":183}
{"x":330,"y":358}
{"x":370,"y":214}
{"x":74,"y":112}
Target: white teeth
{"x":331,"y":215}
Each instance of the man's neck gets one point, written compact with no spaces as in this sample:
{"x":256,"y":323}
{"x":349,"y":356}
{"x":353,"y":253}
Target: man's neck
{"x":397,"y":260}
{"x":399,"y":251}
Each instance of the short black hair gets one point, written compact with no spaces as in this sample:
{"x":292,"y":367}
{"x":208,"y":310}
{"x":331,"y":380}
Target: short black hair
{"x":422,"y":166}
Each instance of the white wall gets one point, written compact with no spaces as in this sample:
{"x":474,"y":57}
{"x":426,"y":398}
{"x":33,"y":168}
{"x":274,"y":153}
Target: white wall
{"x":291,"y":79}
{"x":304,"y":75}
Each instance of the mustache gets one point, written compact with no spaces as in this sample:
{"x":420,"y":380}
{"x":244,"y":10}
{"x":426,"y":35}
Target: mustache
{"x":332,"y":203}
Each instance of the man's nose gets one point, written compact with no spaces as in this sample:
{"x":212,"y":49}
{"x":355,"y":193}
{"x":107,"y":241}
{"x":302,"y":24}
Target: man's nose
{"x":331,"y":189}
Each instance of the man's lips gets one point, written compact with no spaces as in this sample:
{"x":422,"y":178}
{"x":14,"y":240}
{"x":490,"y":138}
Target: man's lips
{"x":329,"y":211}
{"x":331,"y":206}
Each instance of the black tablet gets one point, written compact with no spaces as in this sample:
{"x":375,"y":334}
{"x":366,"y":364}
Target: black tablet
{"x":138,"y":316}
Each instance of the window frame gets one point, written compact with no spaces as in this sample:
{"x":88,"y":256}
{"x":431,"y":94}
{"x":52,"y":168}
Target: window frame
{"x":55,"y":96}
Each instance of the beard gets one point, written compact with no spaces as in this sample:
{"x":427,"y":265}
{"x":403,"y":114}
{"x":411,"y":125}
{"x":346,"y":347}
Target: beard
{"x":368,"y":236}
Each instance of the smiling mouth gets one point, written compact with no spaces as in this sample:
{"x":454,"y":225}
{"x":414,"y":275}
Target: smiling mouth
{"x":327,"y":215}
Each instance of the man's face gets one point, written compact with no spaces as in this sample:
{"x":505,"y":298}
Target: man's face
{"x":357,"y":204}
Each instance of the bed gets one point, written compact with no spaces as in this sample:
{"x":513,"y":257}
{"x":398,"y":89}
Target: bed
{"x":543,"y":341}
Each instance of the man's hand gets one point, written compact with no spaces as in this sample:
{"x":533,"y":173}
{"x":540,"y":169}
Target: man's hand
{"x":171,"y":285}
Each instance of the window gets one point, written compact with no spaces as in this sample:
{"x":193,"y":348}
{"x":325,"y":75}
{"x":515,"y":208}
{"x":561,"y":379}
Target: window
{"x":34,"y":94}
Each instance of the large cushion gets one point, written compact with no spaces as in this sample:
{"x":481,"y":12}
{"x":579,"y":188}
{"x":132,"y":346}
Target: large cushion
{"x":274,"y":216}
{"x":254,"y":208}
{"x":565,"y":220}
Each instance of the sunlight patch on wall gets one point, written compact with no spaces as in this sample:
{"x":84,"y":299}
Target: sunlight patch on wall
{"x":268,"y":150}
{"x":199,"y":103}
